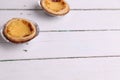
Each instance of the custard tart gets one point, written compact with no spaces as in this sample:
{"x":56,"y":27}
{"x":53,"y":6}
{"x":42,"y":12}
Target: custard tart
{"x":19,"y":30}
{"x":55,"y":7}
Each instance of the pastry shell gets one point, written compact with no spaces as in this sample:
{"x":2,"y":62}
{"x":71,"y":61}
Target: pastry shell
{"x":62,"y":12}
{"x":32,"y":25}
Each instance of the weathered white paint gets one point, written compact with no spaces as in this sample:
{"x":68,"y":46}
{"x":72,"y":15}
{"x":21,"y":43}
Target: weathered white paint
{"x":64,"y":44}
{"x":77,"y":69}
{"x":75,"y":20}
{"x":79,"y":4}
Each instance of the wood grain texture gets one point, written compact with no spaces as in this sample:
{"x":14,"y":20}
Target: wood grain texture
{"x":77,"y":69}
{"x":80,"y":4}
{"x":75,"y":20}
{"x":83,"y":45}
{"x":64,"y":44}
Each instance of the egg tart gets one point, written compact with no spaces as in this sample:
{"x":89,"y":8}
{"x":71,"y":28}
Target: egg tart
{"x":55,"y":7}
{"x":19,"y":30}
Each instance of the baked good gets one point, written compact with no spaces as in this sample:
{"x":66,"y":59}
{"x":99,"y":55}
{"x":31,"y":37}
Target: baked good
{"x":55,"y":7}
{"x":19,"y":30}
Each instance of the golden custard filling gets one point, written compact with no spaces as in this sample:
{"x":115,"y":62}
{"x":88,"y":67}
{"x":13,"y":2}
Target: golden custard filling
{"x":19,"y":28}
{"x":54,"y":5}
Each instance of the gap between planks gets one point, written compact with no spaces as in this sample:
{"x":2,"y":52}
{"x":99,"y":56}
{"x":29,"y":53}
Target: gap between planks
{"x":85,"y":9}
{"x":62,"y":58}
{"x":94,"y":30}
{"x":89,"y":30}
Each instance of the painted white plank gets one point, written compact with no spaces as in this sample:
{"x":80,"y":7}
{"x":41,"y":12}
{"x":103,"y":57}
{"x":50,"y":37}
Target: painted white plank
{"x":75,"y":20}
{"x":64,"y":45}
{"x":80,"y":4}
{"x":80,"y":69}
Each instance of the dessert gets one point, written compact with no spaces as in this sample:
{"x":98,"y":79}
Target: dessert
{"x":55,"y":7}
{"x":19,"y":30}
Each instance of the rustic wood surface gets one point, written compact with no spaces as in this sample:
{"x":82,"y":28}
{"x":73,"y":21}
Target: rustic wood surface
{"x":83,"y":45}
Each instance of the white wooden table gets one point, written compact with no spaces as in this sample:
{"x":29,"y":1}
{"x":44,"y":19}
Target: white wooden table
{"x":83,"y":45}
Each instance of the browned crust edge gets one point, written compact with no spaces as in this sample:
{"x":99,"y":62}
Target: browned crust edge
{"x":55,"y":14}
{"x":16,"y":40}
